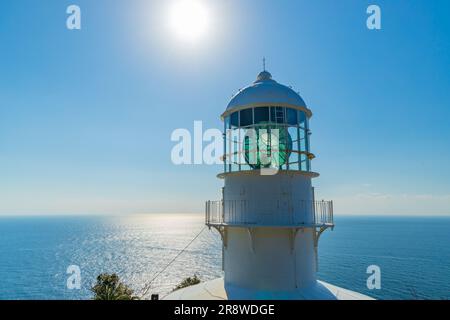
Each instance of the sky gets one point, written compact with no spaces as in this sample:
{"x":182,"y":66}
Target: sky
{"x":86,"y":115}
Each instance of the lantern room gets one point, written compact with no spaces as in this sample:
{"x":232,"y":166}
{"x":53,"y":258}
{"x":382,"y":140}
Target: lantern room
{"x":266,"y":125}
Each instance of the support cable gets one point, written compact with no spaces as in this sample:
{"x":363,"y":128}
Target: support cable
{"x":147,"y":286}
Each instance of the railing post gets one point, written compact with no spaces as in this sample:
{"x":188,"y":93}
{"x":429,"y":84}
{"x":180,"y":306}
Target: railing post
{"x":328,"y":212}
{"x":332,"y":212}
{"x":313,"y":211}
{"x":323,"y":212}
{"x":316,"y":213}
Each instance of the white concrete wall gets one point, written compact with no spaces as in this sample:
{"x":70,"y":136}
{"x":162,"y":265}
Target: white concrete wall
{"x":271,"y":264}
{"x":280,"y":199}
{"x":265,"y":260}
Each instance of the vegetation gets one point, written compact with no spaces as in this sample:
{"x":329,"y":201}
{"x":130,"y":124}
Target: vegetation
{"x":188,"y":282}
{"x":109,"y":287}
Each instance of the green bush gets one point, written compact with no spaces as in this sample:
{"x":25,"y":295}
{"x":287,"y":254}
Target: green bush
{"x":188,"y":282}
{"x":109,"y":287}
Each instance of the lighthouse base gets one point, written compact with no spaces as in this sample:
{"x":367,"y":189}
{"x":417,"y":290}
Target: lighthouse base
{"x":216,"y":290}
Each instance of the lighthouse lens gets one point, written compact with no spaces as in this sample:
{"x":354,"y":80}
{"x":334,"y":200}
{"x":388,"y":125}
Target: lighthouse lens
{"x":267,"y":146}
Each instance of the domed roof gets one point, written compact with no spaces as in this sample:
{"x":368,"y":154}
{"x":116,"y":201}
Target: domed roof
{"x":265,"y":90}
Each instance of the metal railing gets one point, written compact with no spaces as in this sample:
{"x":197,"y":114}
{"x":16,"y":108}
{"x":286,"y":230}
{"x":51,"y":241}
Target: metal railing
{"x":323,"y":212}
{"x":282,"y":213}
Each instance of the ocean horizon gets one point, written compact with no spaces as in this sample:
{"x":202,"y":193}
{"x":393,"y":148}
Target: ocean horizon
{"x":35,"y":252}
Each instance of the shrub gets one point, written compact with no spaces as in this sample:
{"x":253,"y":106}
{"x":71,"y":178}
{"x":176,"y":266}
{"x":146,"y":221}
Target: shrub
{"x":109,"y":287}
{"x":188,"y":282}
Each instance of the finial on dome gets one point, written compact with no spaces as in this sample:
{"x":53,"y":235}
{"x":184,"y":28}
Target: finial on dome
{"x":264,"y":76}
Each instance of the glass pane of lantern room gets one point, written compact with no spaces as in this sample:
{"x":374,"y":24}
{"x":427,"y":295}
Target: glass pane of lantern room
{"x":272,"y":114}
{"x":291,"y":116}
{"x":302,"y":119}
{"x":303,"y":140}
{"x":234,"y":119}
{"x":246,"y":117}
{"x":227,"y":123}
{"x":279,"y":114}
{"x":226,"y":128}
{"x":261,"y":114}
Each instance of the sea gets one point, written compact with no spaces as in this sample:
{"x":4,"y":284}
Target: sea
{"x":40,"y":255}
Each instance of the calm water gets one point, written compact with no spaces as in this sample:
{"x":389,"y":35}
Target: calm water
{"x":413,"y":254}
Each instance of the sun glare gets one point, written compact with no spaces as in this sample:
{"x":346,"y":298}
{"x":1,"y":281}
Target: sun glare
{"x":189,"y":19}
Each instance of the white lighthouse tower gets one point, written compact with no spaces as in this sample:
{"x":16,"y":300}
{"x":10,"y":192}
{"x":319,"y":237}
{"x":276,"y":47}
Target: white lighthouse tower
{"x":269,"y":221}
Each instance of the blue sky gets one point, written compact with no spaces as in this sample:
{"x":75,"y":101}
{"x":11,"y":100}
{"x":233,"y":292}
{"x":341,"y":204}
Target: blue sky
{"x":86,"y":116}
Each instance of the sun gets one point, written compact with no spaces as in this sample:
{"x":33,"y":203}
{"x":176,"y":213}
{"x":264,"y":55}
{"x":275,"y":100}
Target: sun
{"x":189,"y":19}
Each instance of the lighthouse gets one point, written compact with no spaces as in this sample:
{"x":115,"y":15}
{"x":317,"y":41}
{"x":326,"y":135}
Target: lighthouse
{"x":268,"y":219}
